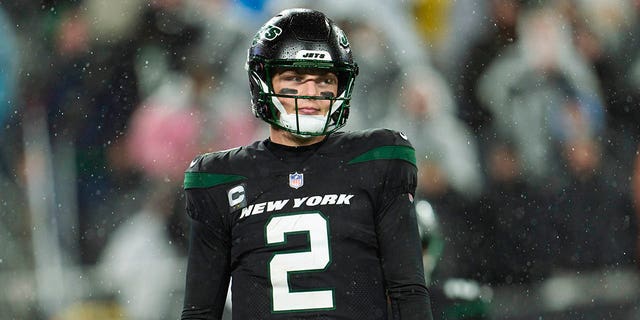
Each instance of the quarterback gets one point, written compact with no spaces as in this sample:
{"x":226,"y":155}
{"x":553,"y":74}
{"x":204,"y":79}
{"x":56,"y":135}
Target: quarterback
{"x":312,"y":222}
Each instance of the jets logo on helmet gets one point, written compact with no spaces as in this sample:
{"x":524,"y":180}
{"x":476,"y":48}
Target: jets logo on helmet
{"x":343,"y":39}
{"x":267,"y":32}
{"x":313,"y":55}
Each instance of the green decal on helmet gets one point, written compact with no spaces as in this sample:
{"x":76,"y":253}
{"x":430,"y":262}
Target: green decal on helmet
{"x":343,"y":40}
{"x":267,"y":32}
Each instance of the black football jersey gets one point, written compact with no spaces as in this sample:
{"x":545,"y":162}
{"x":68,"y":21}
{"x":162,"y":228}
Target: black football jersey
{"x":313,"y":232}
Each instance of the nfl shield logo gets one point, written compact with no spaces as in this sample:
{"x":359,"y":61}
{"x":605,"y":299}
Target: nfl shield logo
{"x":296,"y":180}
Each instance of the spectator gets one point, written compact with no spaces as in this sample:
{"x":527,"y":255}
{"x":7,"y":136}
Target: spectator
{"x":88,"y":107}
{"x":533,"y":79}
{"x":427,"y":112}
{"x":594,"y":221}
{"x":141,"y":257}
{"x":501,"y":33}
{"x":519,"y":226}
{"x":610,"y":45}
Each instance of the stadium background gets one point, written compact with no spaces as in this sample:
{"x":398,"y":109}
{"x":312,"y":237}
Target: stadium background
{"x":524,"y":114}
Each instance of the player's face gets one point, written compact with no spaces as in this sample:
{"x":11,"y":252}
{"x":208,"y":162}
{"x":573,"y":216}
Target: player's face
{"x":306,"y":82}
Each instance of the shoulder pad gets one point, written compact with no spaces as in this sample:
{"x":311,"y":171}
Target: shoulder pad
{"x":208,"y":161}
{"x":211,"y":169}
{"x":391,"y":137}
{"x":385,"y":144}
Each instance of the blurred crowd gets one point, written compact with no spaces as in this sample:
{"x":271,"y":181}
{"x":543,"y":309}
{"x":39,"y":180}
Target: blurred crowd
{"x":525,"y":115}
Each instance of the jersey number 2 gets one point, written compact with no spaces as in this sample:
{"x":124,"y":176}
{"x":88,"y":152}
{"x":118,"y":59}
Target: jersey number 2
{"x":317,"y":258}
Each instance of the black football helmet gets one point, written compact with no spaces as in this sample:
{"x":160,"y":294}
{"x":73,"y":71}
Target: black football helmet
{"x":307,"y":39}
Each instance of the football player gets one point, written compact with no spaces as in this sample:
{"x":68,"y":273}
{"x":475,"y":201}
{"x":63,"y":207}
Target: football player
{"x":311,"y":223}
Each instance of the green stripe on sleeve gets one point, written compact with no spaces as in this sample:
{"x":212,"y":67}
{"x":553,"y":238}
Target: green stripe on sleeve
{"x":207,"y":180}
{"x":405,"y":153}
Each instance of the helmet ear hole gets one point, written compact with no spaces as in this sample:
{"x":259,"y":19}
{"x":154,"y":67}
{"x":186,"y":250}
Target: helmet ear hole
{"x":345,"y":114}
{"x":262,"y":111}
{"x":258,"y":97}
{"x":260,"y":106}
{"x":340,"y":117}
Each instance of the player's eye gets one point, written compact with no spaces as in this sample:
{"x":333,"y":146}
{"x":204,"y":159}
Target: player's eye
{"x":294,"y":78}
{"x":328,"y":80}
